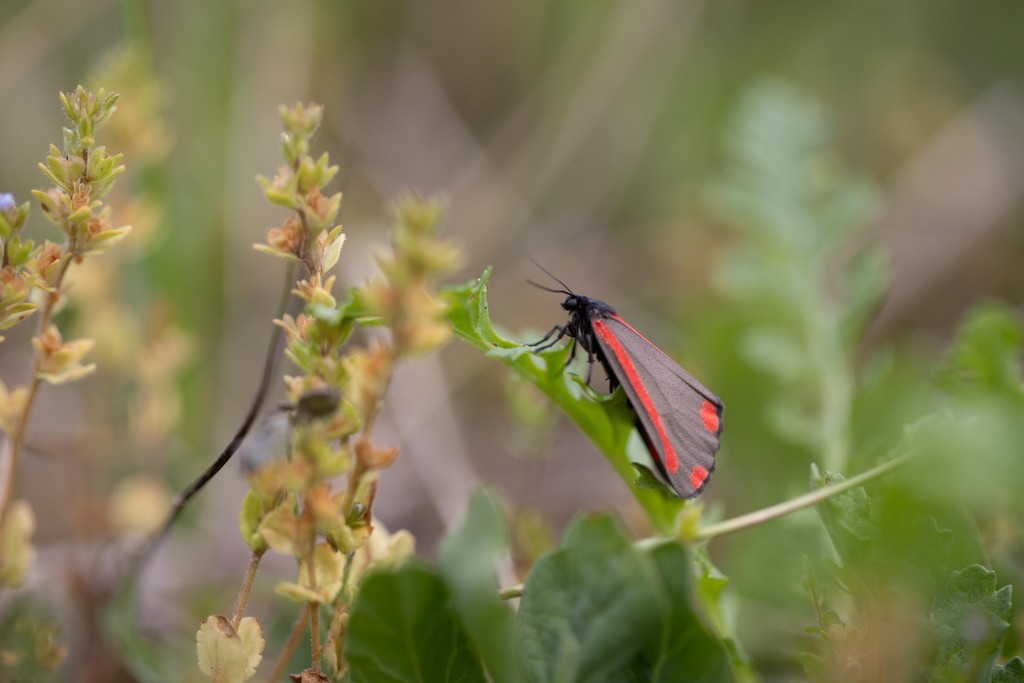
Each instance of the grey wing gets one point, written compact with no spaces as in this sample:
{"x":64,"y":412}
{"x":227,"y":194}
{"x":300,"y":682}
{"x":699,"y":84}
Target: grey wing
{"x":679,"y":418}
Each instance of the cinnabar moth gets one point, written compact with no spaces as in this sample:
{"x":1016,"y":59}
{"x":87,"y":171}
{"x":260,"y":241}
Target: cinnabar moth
{"x":679,"y":419}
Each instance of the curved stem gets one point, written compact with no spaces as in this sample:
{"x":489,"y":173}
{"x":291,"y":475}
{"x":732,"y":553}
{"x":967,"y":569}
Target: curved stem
{"x":183,"y":498}
{"x":800,"y":502}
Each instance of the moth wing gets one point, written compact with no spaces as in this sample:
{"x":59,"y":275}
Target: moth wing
{"x":679,"y":418}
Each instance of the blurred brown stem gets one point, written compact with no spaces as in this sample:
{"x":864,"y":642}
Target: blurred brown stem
{"x":314,"y":607}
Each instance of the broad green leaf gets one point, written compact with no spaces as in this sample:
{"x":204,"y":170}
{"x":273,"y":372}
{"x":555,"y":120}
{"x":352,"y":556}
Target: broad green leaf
{"x":969,"y":618}
{"x":589,"y":608}
{"x":468,"y":561}
{"x":402,"y":630}
{"x":684,"y":650}
{"x":607,"y":420}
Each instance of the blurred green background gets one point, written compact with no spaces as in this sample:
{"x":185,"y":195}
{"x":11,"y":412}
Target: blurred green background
{"x":589,"y":134}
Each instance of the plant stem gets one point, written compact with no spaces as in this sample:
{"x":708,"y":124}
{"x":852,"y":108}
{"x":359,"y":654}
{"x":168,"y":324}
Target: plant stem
{"x":246,"y":588}
{"x":315,"y":648}
{"x":289,"y":646}
{"x":18,"y":438}
{"x":511,"y":592}
{"x":800,"y":502}
{"x":314,"y":607}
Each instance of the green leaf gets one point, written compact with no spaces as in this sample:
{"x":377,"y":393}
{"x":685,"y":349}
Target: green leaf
{"x":684,"y":649}
{"x":468,"y":561}
{"x":606,"y":420}
{"x":969,"y":618}
{"x":986,"y":354}
{"x":589,"y":608}
{"x":254,"y":508}
{"x":1011,"y":672}
{"x":850,"y":521}
{"x":710,"y":586}
{"x":402,"y":630}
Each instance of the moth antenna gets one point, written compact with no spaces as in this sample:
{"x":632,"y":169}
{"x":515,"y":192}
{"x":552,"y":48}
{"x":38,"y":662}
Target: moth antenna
{"x":548,"y":289}
{"x":567,"y":289}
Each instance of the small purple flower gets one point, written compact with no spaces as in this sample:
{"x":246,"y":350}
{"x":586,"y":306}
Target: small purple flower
{"x":7,"y":201}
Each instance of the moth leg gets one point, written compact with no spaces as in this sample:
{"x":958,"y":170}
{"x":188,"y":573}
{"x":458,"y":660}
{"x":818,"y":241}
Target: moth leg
{"x":562,"y":331}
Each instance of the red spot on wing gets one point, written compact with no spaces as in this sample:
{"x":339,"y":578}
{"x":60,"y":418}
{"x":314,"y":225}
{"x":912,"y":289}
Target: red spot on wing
{"x":709,"y":416}
{"x":671,"y":459}
{"x":697,"y":476}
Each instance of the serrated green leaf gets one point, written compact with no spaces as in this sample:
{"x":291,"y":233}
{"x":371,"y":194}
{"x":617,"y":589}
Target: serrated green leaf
{"x":1011,"y":672}
{"x":402,"y":630}
{"x":468,"y":561}
{"x":850,"y":521}
{"x":969,"y":619}
{"x":606,"y":420}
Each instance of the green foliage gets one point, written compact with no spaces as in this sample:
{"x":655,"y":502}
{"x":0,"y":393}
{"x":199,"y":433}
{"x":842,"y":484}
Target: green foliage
{"x":986,"y":354}
{"x":796,"y":210}
{"x":599,"y":609}
{"x":970,"y":618}
{"x":1011,"y":672}
{"x":30,"y":645}
{"x":468,"y":559}
{"x":402,"y":630}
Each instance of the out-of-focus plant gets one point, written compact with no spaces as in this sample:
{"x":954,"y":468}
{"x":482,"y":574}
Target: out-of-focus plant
{"x":906,"y":589}
{"x":333,"y":405}
{"x":82,"y":174}
{"x":35,"y":281}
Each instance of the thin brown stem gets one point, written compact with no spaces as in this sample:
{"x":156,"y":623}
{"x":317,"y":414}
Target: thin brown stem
{"x":315,"y":648}
{"x":246,"y":588}
{"x":289,"y":646}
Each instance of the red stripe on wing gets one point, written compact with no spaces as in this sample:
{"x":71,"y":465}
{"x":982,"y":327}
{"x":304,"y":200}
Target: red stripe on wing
{"x":606,"y":335}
